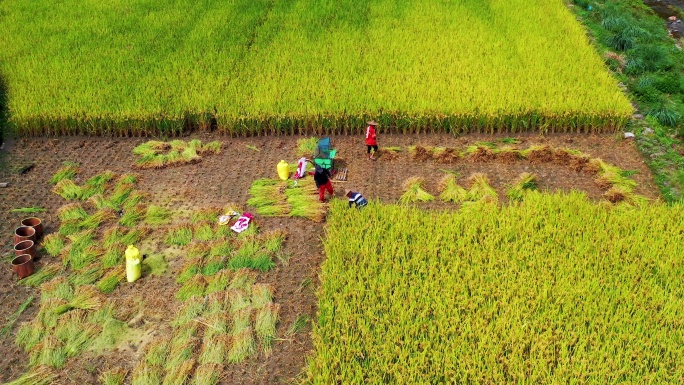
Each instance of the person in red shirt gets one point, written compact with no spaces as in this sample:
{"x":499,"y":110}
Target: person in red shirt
{"x":371,"y":142}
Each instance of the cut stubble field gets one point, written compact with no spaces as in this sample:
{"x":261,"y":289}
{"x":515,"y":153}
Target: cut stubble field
{"x":226,"y":177}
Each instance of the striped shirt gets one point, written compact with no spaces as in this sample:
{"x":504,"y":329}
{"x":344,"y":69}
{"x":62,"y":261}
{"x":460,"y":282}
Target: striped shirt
{"x":358,"y":199}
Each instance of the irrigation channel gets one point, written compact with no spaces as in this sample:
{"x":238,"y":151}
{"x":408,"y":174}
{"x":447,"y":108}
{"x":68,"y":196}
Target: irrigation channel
{"x":667,"y":9}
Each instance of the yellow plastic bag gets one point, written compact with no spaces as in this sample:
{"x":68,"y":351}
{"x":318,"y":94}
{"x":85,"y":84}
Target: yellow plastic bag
{"x":133,"y":264}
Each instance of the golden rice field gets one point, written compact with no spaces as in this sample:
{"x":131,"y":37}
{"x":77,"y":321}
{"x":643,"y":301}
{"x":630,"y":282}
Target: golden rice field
{"x":292,"y":66}
{"x":555,"y":289}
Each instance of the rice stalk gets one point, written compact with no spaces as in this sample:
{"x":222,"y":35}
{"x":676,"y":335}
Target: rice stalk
{"x":111,"y":280}
{"x":100,"y":216}
{"x":413,"y":191}
{"x":80,"y":258}
{"x":179,"y":236}
{"x":72,"y":211}
{"x":133,"y":201}
{"x":145,"y":374}
{"x":207,"y":374}
{"x":275,"y":210}
{"x":179,"y":374}
{"x":213,"y":265}
{"x":203,"y":232}
{"x":157,"y":352}
{"x":189,"y":270}
{"x":53,"y":243}
{"x":206,"y":214}
{"x":298,"y":325}
{"x":243,"y":346}
{"x":86,"y":276}
{"x":216,"y":324}
{"x":29,"y":210}
{"x":132,"y":216}
{"x":450,"y":190}
{"x":273,"y":241}
{"x":262,"y":295}
{"x":190,"y":310}
{"x":96,"y":184}
{"x":157,"y":215}
{"x":39,"y":375}
{"x":243,"y":279}
{"x":216,"y":302}
{"x":182,"y":348}
{"x":525,"y":183}
{"x":214,"y":350}
{"x":56,"y":288}
{"x":239,"y":300}
{"x":67,"y":171}
{"x":221,"y":248}
{"x":218,"y":282}
{"x":265,"y":326}
{"x":50,"y":352}
{"x":42,"y":274}
{"x":30,"y":334}
{"x":480,"y":188}
{"x":67,"y":189}
{"x":193,"y":287}
{"x":12,"y":319}
{"x":211,"y":147}
{"x":80,"y":338}
{"x":307,"y":146}
{"x":113,"y":256}
{"x":87,"y":297}
{"x":114,"y":376}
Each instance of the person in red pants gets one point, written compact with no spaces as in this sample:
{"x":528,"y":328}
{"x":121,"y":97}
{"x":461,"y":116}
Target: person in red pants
{"x":322,"y":179}
{"x":371,"y":142}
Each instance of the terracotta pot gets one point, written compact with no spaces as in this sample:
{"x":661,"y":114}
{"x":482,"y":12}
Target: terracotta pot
{"x":36,"y":223}
{"x":23,"y":265}
{"x":25,"y":247}
{"x":24,"y":233}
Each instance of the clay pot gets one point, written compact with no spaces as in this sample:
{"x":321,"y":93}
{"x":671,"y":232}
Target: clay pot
{"x":23,"y":265}
{"x":24,"y":233}
{"x":36,"y":223}
{"x":25,"y":247}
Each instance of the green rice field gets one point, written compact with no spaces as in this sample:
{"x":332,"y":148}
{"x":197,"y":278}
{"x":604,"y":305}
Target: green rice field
{"x":257,"y":66}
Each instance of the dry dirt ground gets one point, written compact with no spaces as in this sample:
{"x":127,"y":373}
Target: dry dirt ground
{"x":226,"y":177}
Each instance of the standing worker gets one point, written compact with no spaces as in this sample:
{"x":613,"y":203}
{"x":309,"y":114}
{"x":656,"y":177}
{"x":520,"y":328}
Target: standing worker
{"x":355,"y":198}
{"x":371,"y":143}
{"x":322,"y":178}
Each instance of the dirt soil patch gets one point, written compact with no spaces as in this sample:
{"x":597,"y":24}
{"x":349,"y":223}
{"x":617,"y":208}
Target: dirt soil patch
{"x":226,"y":177}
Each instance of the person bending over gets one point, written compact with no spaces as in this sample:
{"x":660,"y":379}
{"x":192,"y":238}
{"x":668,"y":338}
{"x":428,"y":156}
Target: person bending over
{"x":355,"y":198}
